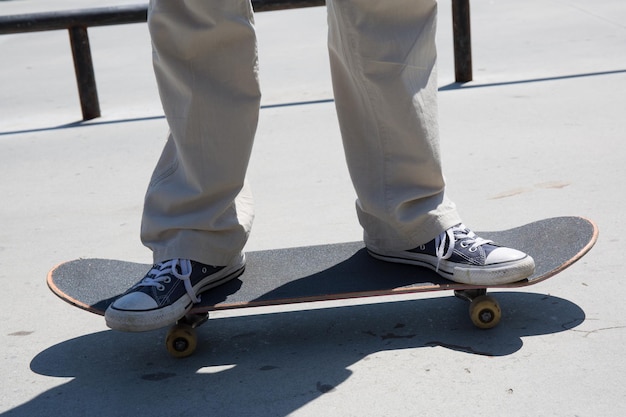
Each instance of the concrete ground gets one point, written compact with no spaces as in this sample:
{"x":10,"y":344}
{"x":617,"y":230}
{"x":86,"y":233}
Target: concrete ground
{"x":539,"y":133}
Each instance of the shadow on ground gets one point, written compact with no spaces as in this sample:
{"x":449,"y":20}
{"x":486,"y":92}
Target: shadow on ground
{"x":273,"y":364}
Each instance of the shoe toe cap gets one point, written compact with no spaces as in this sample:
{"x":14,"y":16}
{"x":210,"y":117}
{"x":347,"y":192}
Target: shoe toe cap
{"x":135,"y":301}
{"x":503,"y":255}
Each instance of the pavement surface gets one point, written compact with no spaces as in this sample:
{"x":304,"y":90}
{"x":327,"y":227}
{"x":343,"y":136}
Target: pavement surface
{"x":538,"y":133}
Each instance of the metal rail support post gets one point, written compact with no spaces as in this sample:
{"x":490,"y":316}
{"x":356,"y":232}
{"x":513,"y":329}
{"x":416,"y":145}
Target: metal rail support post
{"x":462,"y":40}
{"x":85,"y":75}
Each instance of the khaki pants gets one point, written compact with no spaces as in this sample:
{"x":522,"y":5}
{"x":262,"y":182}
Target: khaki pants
{"x":383,"y":64}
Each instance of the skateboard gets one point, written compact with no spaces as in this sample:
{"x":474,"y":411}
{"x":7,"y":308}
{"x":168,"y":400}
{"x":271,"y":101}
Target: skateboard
{"x":326,"y":272}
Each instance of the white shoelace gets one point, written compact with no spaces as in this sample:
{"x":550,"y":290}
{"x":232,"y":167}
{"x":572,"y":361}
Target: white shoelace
{"x":158,"y":276}
{"x":451,"y":236}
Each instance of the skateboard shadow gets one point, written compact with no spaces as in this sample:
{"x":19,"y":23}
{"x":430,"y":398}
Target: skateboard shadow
{"x":274,"y":364}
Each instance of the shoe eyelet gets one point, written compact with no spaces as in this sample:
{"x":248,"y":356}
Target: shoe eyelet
{"x":161,"y":287}
{"x":464,"y":244}
{"x":204,"y":270}
{"x":472,"y":250}
{"x":167,"y":280}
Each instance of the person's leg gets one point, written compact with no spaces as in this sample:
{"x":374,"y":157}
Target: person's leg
{"x":383,"y":62}
{"x":205,"y":59}
{"x":198,"y":211}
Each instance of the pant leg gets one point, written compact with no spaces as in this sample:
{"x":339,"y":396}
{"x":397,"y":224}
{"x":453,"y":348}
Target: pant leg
{"x":197,"y":205}
{"x":383,"y":65}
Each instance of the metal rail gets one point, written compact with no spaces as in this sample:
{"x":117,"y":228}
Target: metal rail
{"x":76,"y":23}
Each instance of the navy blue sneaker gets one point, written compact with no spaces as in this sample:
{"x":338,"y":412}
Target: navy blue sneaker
{"x":461,"y":256}
{"x":167,"y":293}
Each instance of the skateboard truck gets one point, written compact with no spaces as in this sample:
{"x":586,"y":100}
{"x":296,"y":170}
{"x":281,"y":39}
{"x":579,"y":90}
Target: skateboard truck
{"x":484,"y":310}
{"x":182,"y":338}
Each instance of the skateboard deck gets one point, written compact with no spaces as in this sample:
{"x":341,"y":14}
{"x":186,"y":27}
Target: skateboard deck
{"x":327,"y":272}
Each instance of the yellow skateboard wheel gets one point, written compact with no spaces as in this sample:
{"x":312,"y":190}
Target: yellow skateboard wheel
{"x":181,"y":341}
{"x":485,"y":312}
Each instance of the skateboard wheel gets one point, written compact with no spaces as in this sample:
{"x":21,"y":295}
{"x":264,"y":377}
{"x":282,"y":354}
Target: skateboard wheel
{"x":485,"y":312}
{"x":181,"y":341}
